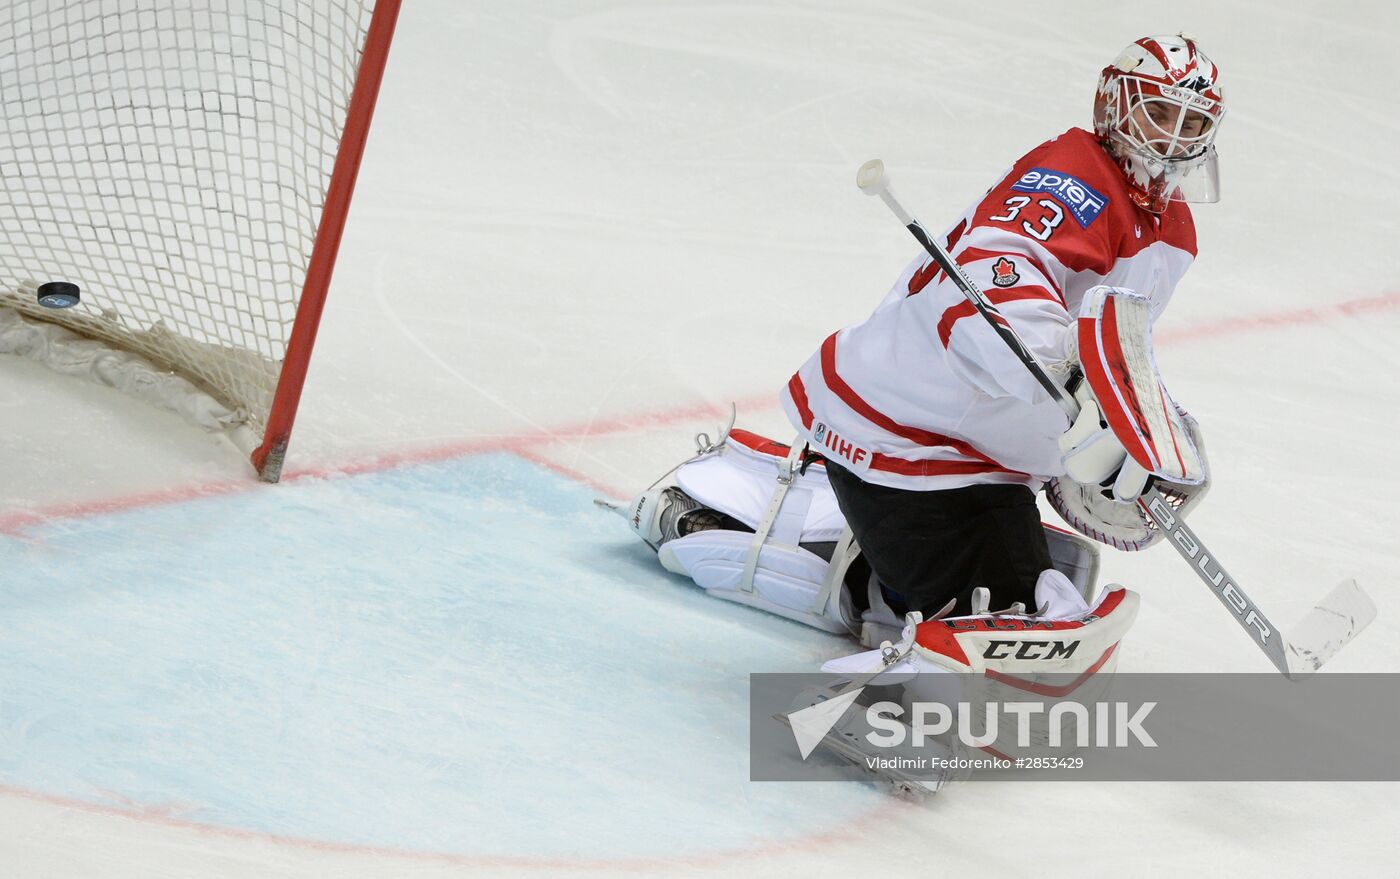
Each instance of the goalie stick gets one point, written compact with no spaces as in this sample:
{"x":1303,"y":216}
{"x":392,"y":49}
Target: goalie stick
{"x":1323,"y":631}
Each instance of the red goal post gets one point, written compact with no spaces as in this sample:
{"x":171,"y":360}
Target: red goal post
{"x":189,"y":164}
{"x":268,"y":457}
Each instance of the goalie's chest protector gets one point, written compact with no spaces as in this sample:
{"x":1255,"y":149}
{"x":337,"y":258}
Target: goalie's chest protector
{"x":923,"y":394}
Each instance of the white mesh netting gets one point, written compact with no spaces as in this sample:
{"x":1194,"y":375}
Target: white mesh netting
{"x":171,"y":157}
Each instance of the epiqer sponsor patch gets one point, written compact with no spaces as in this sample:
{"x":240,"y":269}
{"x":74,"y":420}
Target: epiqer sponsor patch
{"x":1083,"y":201}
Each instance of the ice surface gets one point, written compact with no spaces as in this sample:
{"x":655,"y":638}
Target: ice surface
{"x":580,"y":230}
{"x":408,"y":659}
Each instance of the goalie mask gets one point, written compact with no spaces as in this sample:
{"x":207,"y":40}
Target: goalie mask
{"x":1157,"y":111}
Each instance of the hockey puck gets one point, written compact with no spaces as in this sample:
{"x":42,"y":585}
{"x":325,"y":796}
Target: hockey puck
{"x":58,"y":294}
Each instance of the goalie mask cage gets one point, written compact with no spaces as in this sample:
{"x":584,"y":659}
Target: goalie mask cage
{"x":189,"y":164}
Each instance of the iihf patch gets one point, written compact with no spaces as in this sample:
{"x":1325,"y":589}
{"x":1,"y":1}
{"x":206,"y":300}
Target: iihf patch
{"x":1083,"y":201}
{"x":1005,"y":273}
{"x":819,"y":432}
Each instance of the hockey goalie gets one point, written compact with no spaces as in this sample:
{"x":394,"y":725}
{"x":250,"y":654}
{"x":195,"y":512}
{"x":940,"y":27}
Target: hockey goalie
{"x":923,"y":442}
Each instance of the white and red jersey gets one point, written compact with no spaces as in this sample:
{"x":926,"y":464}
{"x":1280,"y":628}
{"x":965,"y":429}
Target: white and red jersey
{"x":923,"y":394}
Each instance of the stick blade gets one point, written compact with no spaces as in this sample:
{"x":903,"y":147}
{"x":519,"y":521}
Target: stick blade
{"x":1333,"y":621}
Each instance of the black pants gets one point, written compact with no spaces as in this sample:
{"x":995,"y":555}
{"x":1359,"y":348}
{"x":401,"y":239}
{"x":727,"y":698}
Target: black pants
{"x":931,"y":546}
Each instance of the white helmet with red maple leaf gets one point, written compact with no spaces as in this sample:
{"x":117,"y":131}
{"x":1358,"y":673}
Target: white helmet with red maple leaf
{"x":1157,"y":112}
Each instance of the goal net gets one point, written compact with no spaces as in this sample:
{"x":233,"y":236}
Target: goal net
{"x":188,"y":164}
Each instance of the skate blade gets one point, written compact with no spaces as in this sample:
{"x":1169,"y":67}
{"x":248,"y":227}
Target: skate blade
{"x":901,"y":784}
{"x":612,"y":507}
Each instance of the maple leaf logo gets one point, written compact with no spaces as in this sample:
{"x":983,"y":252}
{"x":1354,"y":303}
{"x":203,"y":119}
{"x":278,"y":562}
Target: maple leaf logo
{"x":1198,"y":84}
{"x":1005,"y":273}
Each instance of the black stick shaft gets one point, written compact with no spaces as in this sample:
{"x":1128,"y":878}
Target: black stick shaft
{"x":993,"y":317}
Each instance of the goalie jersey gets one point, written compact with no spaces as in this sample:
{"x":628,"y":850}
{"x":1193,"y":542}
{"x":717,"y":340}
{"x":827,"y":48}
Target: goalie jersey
{"x":924,"y":394}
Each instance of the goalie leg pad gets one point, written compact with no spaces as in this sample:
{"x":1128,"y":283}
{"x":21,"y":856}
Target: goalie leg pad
{"x":787,"y":581}
{"x":1069,"y":637}
{"x":980,"y":663}
{"x":739,"y":479}
{"x":1075,"y":557}
{"x":770,"y":569}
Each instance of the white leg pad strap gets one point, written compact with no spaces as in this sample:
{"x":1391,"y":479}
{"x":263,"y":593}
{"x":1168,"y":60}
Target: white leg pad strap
{"x":783,"y":519}
{"x":841,"y":558}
